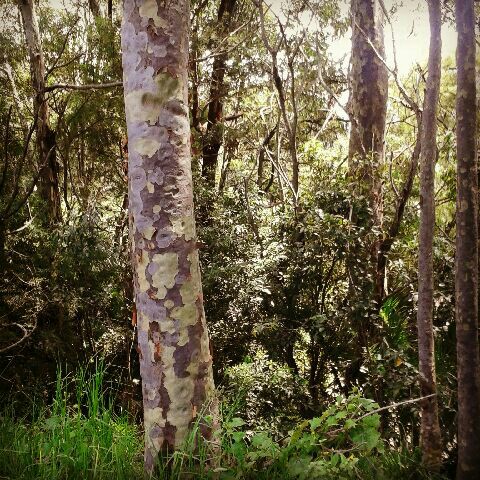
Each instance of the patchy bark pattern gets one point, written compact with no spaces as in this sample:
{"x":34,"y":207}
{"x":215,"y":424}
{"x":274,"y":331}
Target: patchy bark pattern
{"x":430,"y":437}
{"x":49,"y":189}
{"x":213,"y":139}
{"x":466,"y":258}
{"x":368,"y":108}
{"x":176,"y":365}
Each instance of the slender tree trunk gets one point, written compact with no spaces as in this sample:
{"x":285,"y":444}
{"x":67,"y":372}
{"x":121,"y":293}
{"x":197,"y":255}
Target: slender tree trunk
{"x":49,"y":186}
{"x":175,"y":359}
{"x":213,"y":138}
{"x":466,"y":259}
{"x":367,"y":109}
{"x":94,"y":7}
{"x":430,"y":437}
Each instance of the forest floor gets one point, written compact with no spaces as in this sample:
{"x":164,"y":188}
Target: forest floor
{"x":82,"y":436}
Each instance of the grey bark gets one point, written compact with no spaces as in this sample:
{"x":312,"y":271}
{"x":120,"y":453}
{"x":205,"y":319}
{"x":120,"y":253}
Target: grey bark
{"x":466,"y":258}
{"x":49,"y":188}
{"x":430,"y":436}
{"x":175,"y":359}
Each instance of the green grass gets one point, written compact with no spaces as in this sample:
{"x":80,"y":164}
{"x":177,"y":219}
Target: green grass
{"x":83,"y":440}
{"x":80,"y":437}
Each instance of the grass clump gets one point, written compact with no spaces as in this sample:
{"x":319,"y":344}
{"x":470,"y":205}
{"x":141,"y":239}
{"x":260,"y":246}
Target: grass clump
{"x":86,"y":440}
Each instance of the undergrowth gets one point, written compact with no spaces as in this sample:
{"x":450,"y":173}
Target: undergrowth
{"x":79,"y":436}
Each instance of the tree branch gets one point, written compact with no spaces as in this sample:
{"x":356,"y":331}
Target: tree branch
{"x":88,"y":86}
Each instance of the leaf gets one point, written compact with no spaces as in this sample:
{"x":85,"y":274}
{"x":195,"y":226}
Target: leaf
{"x":350,"y":424}
{"x":262,"y":441}
{"x":238,"y":436}
{"x":297,"y":433}
{"x":315,"y":423}
{"x":235,"y":423}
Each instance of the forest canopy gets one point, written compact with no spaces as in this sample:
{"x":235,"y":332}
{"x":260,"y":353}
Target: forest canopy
{"x":239,"y":239}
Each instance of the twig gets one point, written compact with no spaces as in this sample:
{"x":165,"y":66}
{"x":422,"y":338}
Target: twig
{"x":382,"y":409}
{"x":26,"y":334}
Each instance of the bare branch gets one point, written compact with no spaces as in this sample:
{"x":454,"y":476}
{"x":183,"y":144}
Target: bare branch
{"x":88,"y":86}
{"x":25,"y":334}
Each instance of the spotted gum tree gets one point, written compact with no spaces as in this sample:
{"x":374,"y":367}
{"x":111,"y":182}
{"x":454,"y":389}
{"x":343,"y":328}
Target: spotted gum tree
{"x":175,"y":359}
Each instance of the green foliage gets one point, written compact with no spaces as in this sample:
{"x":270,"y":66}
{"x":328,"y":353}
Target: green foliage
{"x":329,"y":446}
{"x":80,"y":437}
{"x":270,"y":397}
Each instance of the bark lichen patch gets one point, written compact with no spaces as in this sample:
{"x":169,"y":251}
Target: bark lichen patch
{"x":148,"y":232}
{"x":169,"y":87}
{"x":153,"y":419}
{"x":183,"y":225}
{"x":186,"y":316}
{"x":164,"y":269}
{"x":146,"y":146}
{"x":191,"y":289}
{"x":156,"y":176}
{"x":141,"y":265}
{"x":142,"y":106}
{"x":149,"y":10}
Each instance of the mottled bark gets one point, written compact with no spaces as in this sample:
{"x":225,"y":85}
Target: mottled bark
{"x":367,"y":109}
{"x":430,"y":437}
{"x":466,"y":258}
{"x":49,"y":187}
{"x":175,"y":359}
{"x":214,"y":134}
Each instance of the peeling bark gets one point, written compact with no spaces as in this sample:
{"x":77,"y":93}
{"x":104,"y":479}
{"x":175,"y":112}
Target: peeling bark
{"x":430,"y":437}
{"x":175,"y":359}
{"x":466,"y":258}
{"x":49,"y":170}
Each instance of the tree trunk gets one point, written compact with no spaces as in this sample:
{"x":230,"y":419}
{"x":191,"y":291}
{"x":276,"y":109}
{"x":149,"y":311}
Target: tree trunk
{"x":49,"y":186}
{"x":430,"y":437}
{"x":466,"y":259}
{"x":175,"y":359}
{"x":367,"y":109}
{"x":213,"y":137}
{"x":94,"y":7}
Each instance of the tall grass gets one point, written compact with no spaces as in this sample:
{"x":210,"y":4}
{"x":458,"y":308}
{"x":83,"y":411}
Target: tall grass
{"x":81,"y":440}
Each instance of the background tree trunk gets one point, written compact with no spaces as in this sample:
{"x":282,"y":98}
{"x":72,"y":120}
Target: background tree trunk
{"x":429,"y":429}
{"x":367,"y":109}
{"x":49,"y":189}
{"x":175,"y":360}
{"x":213,"y":138}
{"x":466,"y":259}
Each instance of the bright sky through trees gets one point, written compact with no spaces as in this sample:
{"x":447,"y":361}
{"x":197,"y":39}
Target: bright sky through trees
{"x":411,"y":32}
